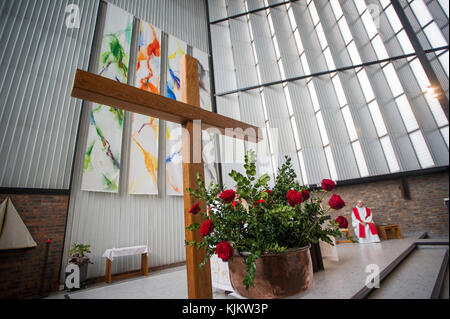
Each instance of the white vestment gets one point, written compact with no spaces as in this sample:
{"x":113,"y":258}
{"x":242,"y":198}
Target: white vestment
{"x":369,"y":237}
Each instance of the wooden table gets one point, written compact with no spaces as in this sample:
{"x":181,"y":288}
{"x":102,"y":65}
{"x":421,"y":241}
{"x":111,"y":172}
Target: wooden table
{"x":348,"y":237}
{"x":126,"y":251}
{"x":392,"y":229}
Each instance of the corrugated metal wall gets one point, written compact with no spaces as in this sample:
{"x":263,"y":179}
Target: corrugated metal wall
{"x":118,"y":220}
{"x":38,"y":118}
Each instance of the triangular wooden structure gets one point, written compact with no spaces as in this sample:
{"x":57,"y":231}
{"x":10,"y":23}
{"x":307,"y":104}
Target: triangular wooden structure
{"x":13,"y":232}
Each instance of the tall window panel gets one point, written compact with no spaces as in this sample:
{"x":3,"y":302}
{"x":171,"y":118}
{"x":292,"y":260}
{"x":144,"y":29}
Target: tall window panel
{"x":425,"y":20}
{"x":320,"y":58}
{"x":366,"y":86}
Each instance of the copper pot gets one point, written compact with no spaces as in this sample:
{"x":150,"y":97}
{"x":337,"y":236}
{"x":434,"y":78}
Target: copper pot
{"x":277,"y":275}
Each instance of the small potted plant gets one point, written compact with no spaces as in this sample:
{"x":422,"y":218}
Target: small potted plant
{"x":77,"y":256}
{"x":265,"y":233}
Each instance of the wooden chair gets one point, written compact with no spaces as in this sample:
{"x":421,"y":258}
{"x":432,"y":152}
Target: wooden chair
{"x":348,"y":236}
{"x":389,"y":232}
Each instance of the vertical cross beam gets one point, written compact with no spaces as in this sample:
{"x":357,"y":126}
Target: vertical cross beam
{"x":198,"y":280}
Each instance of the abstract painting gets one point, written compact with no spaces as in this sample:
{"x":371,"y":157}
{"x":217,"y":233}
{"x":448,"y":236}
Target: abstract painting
{"x":174,"y":169}
{"x":143,"y":168}
{"x":101,"y":171}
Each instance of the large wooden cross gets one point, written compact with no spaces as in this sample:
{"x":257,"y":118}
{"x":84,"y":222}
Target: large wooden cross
{"x":94,"y":88}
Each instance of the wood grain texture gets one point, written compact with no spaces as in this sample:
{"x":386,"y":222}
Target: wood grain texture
{"x":199,"y":280}
{"x":95,"y":88}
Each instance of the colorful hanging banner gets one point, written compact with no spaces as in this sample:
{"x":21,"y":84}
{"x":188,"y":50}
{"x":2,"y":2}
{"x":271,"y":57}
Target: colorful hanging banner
{"x":101,"y":172}
{"x":143,"y":167}
{"x":174,"y":169}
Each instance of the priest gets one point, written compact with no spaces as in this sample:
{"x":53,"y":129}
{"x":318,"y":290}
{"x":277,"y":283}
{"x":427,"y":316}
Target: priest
{"x":362,"y":222}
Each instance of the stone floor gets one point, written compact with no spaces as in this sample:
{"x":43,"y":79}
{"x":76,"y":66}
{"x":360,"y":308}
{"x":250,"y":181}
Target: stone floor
{"x":341,"y":279}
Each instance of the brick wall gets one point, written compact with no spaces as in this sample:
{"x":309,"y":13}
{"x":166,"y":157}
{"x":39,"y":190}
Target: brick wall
{"x":21,"y":270}
{"x":425,"y":211}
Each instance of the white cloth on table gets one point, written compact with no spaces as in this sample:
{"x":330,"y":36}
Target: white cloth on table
{"x":125,"y":251}
{"x":329,"y":251}
{"x":219,"y":274}
{"x":369,"y":237}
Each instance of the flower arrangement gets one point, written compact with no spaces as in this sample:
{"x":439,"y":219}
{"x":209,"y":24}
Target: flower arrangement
{"x":256,"y":219}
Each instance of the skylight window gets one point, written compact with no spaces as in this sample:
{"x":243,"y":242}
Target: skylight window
{"x":444,"y":61}
{"x":336,"y":8}
{"x":405,"y":43}
{"x":363,"y":171}
{"x":292,"y":18}
{"x":288,"y":100}
{"x":407,"y":114}
{"x":434,"y":35}
{"x":393,"y":80}
{"x":312,"y":92}
{"x":329,"y":59}
{"x":322,"y":129}
{"x":295,"y":130}
{"x":369,"y":24}
{"x":390,"y":154}
{"x":444,"y":5}
{"x":305,"y":64}
{"x":377,"y":118}
{"x":349,"y":123}
{"x":360,"y":5}
{"x":420,"y":74}
{"x":436,"y":109}
{"x":365,"y":85}
{"x":379,"y":48}
{"x":302,"y":167}
{"x":444,"y":132}
{"x":339,"y":91}
{"x":423,"y":154}
{"x":354,"y":54}
{"x":321,"y":36}
{"x":298,"y":42}
{"x":393,"y":19}
{"x":330,"y":160}
{"x":421,"y":11}
{"x":314,"y":16}
{"x":345,"y":30}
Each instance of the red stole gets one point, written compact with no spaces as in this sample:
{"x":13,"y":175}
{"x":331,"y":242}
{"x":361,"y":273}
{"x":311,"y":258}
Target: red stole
{"x":362,"y":229}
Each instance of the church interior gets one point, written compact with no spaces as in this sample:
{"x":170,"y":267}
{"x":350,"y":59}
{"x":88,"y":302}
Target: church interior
{"x":224,"y":149}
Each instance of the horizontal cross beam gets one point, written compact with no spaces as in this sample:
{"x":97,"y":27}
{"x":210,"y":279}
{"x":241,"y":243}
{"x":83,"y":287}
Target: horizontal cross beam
{"x":101,"y":90}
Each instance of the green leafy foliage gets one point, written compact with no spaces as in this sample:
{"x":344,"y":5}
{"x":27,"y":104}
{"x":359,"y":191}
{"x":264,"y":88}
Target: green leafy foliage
{"x":260,"y":222}
{"x":77,"y":254}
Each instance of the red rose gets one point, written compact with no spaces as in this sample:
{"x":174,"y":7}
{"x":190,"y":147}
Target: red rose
{"x":305,"y":194}
{"x":206,"y":228}
{"x":336,"y":202}
{"x":224,"y":250}
{"x":294,"y":198}
{"x":227,"y":196}
{"x":259,"y":202}
{"x":268,"y":191}
{"x":328,"y":185}
{"x":342,"y":221}
{"x":195,"y":208}
{"x":235,"y":204}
